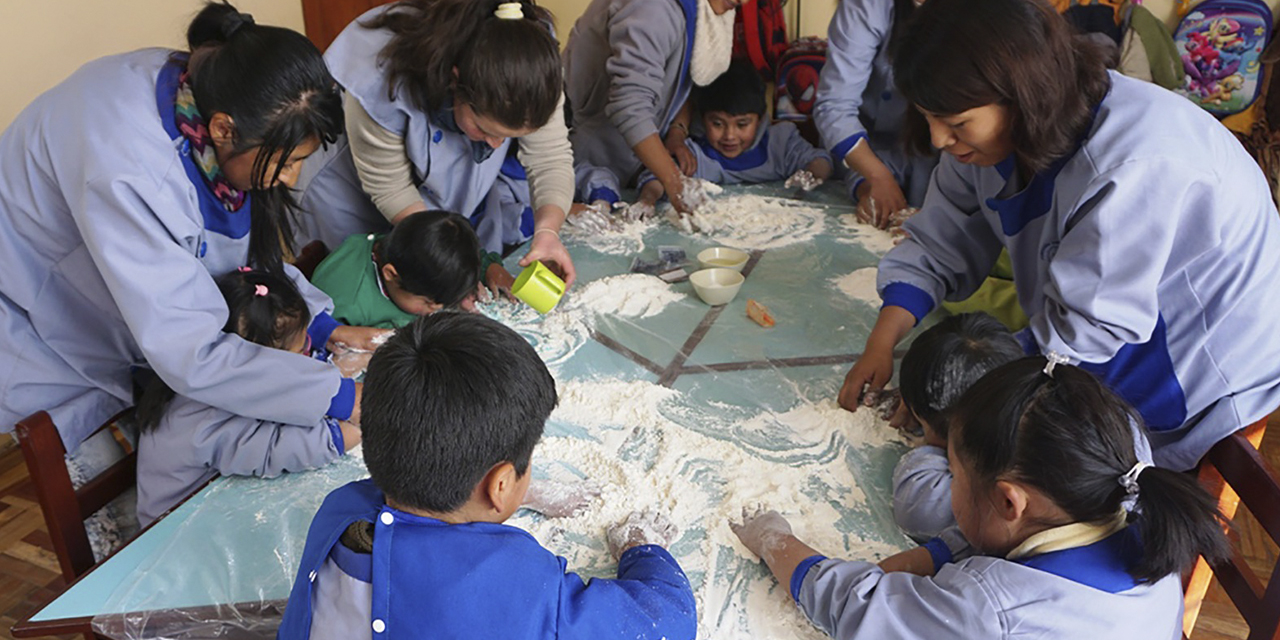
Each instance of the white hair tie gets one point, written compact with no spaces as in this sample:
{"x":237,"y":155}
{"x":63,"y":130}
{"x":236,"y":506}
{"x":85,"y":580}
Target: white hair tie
{"x":510,"y":11}
{"x":1130,"y":480}
{"x":1054,"y":359}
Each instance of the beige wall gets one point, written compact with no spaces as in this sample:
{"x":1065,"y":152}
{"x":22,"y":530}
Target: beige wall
{"x":43,"y":41}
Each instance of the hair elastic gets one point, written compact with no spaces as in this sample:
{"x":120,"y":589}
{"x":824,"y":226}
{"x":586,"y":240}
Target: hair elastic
{"x":259,"y":290}
{"x":1130,"y":479}
{"x":245,"y":269}
{"x":510,"y":11}
{"x":235,"y":24}
{"x":1054,"y":359}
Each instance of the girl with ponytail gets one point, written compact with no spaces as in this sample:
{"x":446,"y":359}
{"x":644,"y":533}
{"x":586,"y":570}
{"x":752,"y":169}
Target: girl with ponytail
{"x":129,"y":188}
{"x":1076,"y":537}
{"x":436,"y":92}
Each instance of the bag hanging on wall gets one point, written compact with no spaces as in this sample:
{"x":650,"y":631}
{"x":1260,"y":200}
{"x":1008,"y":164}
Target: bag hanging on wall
{"x":797,"y":79}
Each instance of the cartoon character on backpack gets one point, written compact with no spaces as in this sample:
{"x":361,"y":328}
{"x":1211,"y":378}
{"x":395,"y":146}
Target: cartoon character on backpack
{"x":1223,"y":41}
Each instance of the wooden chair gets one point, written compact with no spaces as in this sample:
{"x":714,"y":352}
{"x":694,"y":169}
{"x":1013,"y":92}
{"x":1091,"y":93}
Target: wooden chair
{"x":1235,"y":471}
{"x":64,"y":507}
{"x":310,"y":257}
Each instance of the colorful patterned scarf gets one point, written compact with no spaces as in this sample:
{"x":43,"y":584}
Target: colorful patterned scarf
{"x":194,"y":129}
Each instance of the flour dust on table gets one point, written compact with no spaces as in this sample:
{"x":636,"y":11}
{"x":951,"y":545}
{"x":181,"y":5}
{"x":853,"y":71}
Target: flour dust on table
{"x":627,"y":437}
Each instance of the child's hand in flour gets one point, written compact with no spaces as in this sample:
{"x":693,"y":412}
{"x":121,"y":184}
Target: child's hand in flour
{"x":560,"y":499}
{"x":592,"y":218}
{"x":762,"y":531}
{"x":640,"y":528}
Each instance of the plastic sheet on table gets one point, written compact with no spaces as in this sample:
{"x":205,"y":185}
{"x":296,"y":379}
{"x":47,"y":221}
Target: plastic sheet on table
{"x":665,"y":403}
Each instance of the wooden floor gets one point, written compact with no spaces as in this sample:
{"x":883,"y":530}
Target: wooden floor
{"x":29,"y":575}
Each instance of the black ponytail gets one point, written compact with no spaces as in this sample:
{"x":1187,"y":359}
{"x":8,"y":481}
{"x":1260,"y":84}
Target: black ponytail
{"x":1178,"y":522}
{"x":1072,"y":439}
{"x":508,"y":70}
{"x":275,"y":87}
{"x":263,"y":307}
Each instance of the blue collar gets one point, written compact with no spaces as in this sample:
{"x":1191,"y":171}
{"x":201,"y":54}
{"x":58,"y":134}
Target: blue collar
{"x":233,"y":224}
{"x":1035,"y":200}
{"x":1103,"y":565}
{"x":512,"y":168}
{"x":754,"y":157}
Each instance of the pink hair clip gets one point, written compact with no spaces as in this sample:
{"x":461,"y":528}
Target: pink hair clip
{"x":259,"y":290}
{"x":245,"y":269}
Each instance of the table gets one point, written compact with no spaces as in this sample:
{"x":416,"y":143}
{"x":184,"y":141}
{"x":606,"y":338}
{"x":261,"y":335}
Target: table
{"x":693,"y":410}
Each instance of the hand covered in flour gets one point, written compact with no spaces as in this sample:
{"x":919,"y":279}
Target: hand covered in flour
{"x":640,"y":528}
{"x":639,"y":211}
{"x":560,"y":499}
{"x":346,"y":338}
{"x":351,"y":364}
{"x":878,"y":199}
{"x":592,"y":218}
{"x":761,"y":531}
{"x":804,"y":180}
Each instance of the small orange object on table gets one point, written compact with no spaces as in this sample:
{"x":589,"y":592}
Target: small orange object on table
{"x":759,"y":313}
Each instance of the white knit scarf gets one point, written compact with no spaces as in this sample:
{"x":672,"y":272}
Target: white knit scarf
{"x":712,"y":44}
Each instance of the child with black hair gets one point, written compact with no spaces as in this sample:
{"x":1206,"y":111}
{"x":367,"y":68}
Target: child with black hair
{"x":183,"y":443}
{"x":453,"y":407}
{"x":1044,"y":462}
{"x":429,"y":261}
{"x":940,"y":366}
{"x":739,"y":145}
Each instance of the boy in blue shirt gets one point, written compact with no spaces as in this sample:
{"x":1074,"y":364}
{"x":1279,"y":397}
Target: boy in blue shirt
{"x":738,"y":145}
{"x":453,"y":405}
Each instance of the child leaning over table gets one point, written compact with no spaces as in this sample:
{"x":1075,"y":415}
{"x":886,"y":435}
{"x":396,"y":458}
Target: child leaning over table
{"x":1044,"y":462}
{"x":942,"y":363}
{"x":429,"y":261}
{"x":738,"y":145}
{"x":183,"y":443}
{"x":453,"y":406}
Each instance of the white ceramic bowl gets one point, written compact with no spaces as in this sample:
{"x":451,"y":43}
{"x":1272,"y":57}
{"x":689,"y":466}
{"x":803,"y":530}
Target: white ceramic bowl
{"x":717,"y":286}
{"x":723,"y":258}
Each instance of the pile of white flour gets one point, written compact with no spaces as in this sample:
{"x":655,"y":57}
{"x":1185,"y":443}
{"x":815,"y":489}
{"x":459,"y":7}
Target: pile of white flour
{"x":877,"y":241}
{"x":758,"y":222}
{"x":559,"y":334}
{"x":859,"y":285}
{"x":642,"y":459}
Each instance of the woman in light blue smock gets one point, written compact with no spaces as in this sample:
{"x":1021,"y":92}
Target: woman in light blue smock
{"x":1144,"y":239}
{"x":435,"y":91}
{"x":860,"y":114}
{"x":127,"y":189}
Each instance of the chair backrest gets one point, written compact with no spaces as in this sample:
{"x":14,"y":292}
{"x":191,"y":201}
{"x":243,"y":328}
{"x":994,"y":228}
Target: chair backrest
{"x":65,"y":507}
{"x":1235,"y":471}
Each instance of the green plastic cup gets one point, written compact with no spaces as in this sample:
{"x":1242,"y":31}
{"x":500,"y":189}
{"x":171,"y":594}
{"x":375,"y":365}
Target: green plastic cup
{"x":538,"y":287}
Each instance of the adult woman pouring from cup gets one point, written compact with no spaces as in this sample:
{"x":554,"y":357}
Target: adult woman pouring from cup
{"x":435,"y":92}
{"x":1143,"y":237}
{"x":127,"y":190}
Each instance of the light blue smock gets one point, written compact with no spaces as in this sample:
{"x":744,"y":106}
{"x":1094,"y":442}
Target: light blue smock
{"x":1084,"y":592}
{"x":857,"y":98}
{"x":1148,"y":255}
{"x":626,"y":78}
{"x":447,"y":177}
{"x":107,"y":263}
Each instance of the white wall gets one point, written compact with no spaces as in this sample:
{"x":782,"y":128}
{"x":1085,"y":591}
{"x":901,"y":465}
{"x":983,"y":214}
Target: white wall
{"x":43,"y":41}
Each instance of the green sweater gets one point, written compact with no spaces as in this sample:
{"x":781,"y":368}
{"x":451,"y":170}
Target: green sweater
{"x":351,"y":278}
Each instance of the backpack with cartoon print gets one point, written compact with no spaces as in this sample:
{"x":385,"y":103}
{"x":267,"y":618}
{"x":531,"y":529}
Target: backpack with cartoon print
{"x":1220,"y":43}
